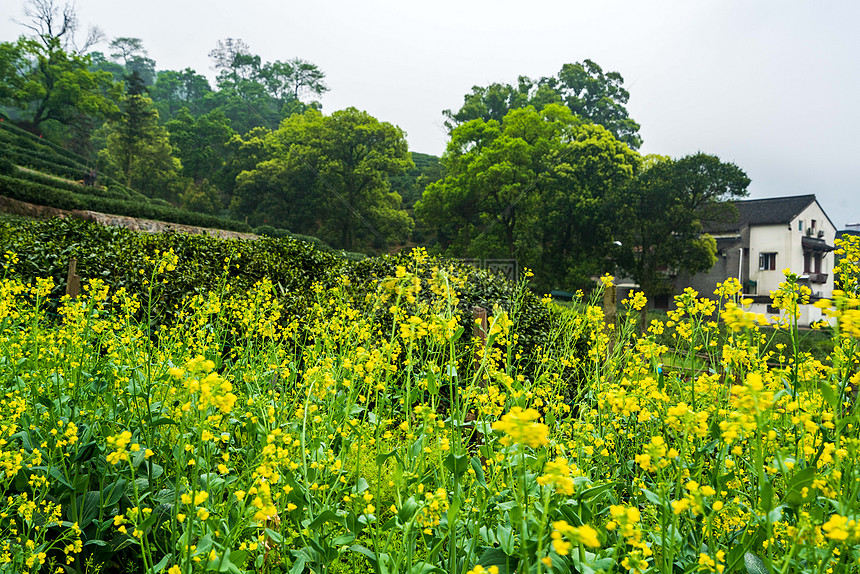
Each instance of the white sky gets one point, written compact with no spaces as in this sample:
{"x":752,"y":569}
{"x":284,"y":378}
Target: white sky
{"x":772,"y":86}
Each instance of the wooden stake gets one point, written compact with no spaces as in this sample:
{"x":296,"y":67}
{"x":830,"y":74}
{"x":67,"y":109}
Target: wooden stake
{"x":73,"y":280}
{"x":610,"y":305}
{"x":480,"y":328}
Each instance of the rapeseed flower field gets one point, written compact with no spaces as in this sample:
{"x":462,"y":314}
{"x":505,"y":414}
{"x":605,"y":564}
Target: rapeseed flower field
{"x":232,"y":440}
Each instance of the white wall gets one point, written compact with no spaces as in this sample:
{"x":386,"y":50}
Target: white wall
{"x":772,"y":239}
{"x":814,"y":211}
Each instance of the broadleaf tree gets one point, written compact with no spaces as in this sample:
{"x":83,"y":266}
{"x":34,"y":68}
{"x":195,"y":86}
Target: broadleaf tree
{"x":532,"y":187}
{"x":662,"y":214}
{"x":328,"y":176}
{"x":200,"y":142}
{"x":589,"y":92}
{"x":47,"y":84}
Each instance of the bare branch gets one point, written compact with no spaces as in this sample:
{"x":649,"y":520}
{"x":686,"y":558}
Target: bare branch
{"x":50,"y":21}
{"x":95,"y":36}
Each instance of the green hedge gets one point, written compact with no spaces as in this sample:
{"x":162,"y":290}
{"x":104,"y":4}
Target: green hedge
{"x":28,"y":139}
{"x":116,"y":255}
{"x":38,"y":193}
{"x":7,"y":167}
{"x":41,"y":194}
{"x":38,"y":161}
{"x":166,"y":213}
{"x":113,"y":191}
{"x":47,"y":154}
{"x":39,"y":154}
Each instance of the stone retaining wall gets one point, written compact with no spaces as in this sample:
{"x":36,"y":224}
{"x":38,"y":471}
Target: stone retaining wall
{"x":15,"y":207}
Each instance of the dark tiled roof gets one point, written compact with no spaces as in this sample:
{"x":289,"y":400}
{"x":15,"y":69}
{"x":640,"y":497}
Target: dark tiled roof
{"x":771,"y":211}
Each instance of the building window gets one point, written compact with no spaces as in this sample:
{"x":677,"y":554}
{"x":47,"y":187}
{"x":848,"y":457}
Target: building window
{"x":767,"y":261}
{"x":800,"y":225}
{"x":772,"y":310}
{"x":812,"y":225}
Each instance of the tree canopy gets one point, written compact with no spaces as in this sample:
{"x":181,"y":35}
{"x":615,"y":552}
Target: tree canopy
{"x":543,"y":171}
{"x":200,"y":142}
{"x":583,"y":87}
{"x":662,"y":214}
{"x":138,"y":148}
{"x":328,"y":176}
{"x":47,"y":83}
{"x":533,"y":187}
{"x":254,"y":93}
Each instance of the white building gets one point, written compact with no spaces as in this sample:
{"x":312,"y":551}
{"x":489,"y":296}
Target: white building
{"x":771,"y":235}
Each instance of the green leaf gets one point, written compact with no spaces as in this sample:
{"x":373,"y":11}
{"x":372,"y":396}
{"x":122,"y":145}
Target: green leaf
{"x":344,"y":539}
{"x":456,"y":463}
{"x":775,"y":515}
{"x":382,"y":457}
{"x":424,"y":568}
{"x":161,"y":564}
{"x":86,"y":452}
{"x":223,"y":564}
{"x":496,"y":557}
{"x":298,"y":565}
{"x":506,"y":539}
{"x":453,"y":510}
{"x":458,"y":334}
{"x":802,"y":479}
{"x":360,"y":486}
{"x":274,"y":536}
{"x":407,"y":510}
{"x":479,"y":471}
{"x":655,"y":499}
{"x":432,"y":387}
{"x":153,"y":469}
{"x":754,"y":564}
{"x":88,"y":504}
{"x":596,"y":491}
{"x":325,"y":516}
{"x":21,"y":481}
{"x":238,"y":558}
{"x":57,"y":474}
{"x":113,"y":492}
{"x":829,"y":394}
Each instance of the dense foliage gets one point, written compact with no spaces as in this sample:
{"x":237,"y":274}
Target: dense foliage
{"x":582,"y":87}
{"x":328,"y":176}
{"x":661,"y":215}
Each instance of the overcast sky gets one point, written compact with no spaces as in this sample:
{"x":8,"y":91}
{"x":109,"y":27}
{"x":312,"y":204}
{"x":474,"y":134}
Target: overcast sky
{"x":770,"y":86}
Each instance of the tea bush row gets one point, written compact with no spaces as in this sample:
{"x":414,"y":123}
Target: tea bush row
{"x":294,"y":266}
